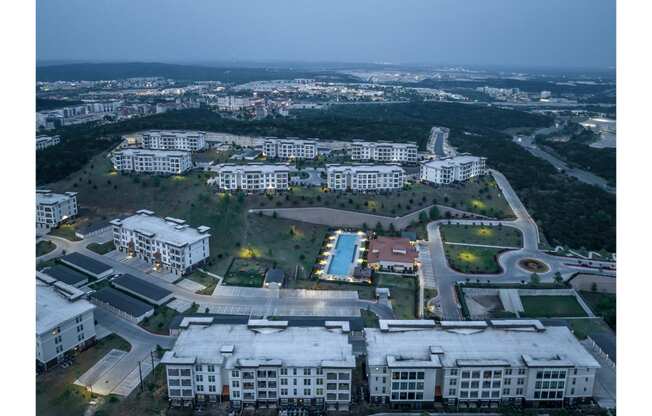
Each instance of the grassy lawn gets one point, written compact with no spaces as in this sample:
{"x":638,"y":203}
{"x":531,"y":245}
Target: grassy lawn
{"x":585,"y":327}
{"x":480,"y":196}
{"x":159,"y":323}
{"x":370,"y":319}
{"x":551,"y":307}
{"x":66,"y":231}
{"x":476,"y":260}
{"x":484,"y":235}
{"x":246,"y":271}
{"x":101,"y":248}
{"x":100,"y":285}
{"x":44,"y":247}
{"x":402,"y":292}
{"x":56,"y":395}
{"x":602,"y":304}
{"x":204,"y":279}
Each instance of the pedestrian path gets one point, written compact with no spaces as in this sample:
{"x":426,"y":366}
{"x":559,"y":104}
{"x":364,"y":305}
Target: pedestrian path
{"x":427,"y":270}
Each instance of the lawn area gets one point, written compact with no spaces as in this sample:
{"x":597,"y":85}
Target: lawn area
{"x":101,"y":248}
{"x":551,"y":307}
{"x":247,"y":271}
{"x":44,"y":247}
{"x":66,"y":231}
{"x":100,"y":285}
{"x":584,"y":327}
{"x":56,"y":395}
{"x":484,"y":235}
{"x":480,"y":196}
{"x":402,"y":292}
{"x":475,"y":260}
{"x":204,"y":279}
{"x":602,"y":304}
{"x":370,"y":319}
{"x":159,"y":323}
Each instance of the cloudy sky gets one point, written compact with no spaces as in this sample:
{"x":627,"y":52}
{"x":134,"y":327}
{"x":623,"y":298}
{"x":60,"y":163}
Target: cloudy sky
{"x":553,"y":33}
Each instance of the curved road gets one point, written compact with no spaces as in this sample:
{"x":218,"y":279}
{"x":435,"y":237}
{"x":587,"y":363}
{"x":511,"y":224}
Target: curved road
{"x":446,"y":277}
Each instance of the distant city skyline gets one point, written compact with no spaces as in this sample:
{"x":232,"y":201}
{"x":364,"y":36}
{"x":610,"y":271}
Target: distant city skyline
{"x":538,"y":33}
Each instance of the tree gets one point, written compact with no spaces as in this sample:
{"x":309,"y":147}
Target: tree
{"x":423,"y":217}
{"x":558,"y":278}
{"x":535,"y":279}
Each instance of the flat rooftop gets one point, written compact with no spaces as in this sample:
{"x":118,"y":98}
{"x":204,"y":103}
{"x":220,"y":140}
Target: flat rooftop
{"x":85,"y":262}
{"x":291,"y":346}
{"x":252,"y":167}
{"x":144,"y":288}
{"x":476,"y":344}
{"x":453,"y":161}
{"x":171,"y":230}
{"x":393,"y":144}
{"x":122,"y":301}
{"x":153,"y":152}
{"x":46,"y":197}
{"x":65,"y":274}
{"x":52,"y":308}
{"x":388,"y":168}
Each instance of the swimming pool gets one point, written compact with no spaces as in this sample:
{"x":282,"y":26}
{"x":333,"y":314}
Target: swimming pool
{"x":343,"y":255}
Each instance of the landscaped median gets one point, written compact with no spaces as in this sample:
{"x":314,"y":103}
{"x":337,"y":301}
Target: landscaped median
{"x":473,"y":259}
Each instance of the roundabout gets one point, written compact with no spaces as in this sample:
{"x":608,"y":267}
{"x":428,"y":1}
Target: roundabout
{"x":533,"y":265}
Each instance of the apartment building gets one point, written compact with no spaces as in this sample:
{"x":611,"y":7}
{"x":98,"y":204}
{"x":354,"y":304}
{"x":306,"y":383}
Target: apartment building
{"x":159,"y":162}
{"x":416,"y":363}
{"x":43,"y":142}
{"x":365,"y":177}
{"x":456,"y":169}
{"x":290,"y":148}
{"x":261,"y":363}
{"x":65,"y":322}
{"x":167,"y":243}
{"x":251,"y":177}
{"x":52,"y":209}
{"x":384,"y":151}
{"x":190,"y":141}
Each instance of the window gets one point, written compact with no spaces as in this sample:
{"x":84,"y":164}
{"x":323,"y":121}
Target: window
{"x":306,"y":392}
{"x":199,"y":377}
{"x":454,"y":372}
{"x":235,"y":373}
{"x":211,"y":379}
{"x":198,"y":368}
{"x":235,"y":384}
{"x":306,"y":371}
{"x":452,"y":392}
{"x":284,"y":371}
{"x":173,"y":372}
{"x":306,"y":381}
{"x":453,"y":381}
{"x":211,"y":368}
{"x":211,"y":389}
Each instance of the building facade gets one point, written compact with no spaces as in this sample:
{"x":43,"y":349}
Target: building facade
{"x":261,"y":363}
{"x":256,"y":177}
{"x":43,"y":142}
{"x":456,"y":169}
{"x":167,"y":243}
{"x":52,"y":209}
{"x":190,"y":141}
{"x":290,"y":148}
{"x":384,"y":151}
{"x":160,"y":162}
{"x":65,"y":323}
{"x":416,"y":363}
{"x":362,"y":178}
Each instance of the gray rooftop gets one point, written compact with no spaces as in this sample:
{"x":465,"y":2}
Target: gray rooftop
{"x":84,"y":262}
{"x":254,"y":345}
{"x":121,"y":301}
{"x":274,"y":276}
{"x":144,"y":288}
{"x":53,"y":308}
{"x":170,"y":230}
{"x":515,"y":346}
{"x":47,"y":197}
{"x":65,"y":274}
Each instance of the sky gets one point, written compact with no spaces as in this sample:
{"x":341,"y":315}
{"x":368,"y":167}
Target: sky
{"x":527,"y":33}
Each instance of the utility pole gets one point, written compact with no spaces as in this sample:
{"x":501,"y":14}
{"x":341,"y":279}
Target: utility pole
{"x":151,"y":354}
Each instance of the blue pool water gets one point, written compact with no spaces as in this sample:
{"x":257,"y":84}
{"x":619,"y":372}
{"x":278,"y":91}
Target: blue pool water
{"x":345,"y":249}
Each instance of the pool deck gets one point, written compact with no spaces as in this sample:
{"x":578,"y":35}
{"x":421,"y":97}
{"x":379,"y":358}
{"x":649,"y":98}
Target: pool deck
{"x":360,"y":238}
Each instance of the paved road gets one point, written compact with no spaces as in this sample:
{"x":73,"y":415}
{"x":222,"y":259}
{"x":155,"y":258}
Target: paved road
{"x":446,"y":277}
{"x":581,"y":175}
{"x":122,"y":374}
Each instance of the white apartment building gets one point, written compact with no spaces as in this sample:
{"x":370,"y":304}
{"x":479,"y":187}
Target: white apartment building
{"x":251,"y":177}
{"x":167,"y":243}
{"x":290,"y":148}
{"x":384,"y":151}
{"x":52,"y":209}
{"x":263,"y":362}
{"x":456,"y":169}
{"x":43,"y":142}
{"x":65,"y":322}
{"x":416,"y":363}
{"x":365,"y":177}
{"x":191,"y":141}
{"x":160,"y":162}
